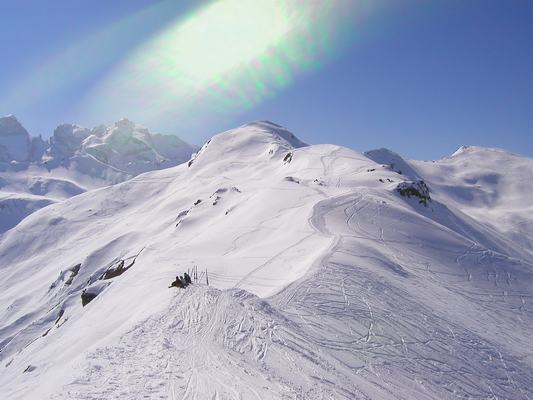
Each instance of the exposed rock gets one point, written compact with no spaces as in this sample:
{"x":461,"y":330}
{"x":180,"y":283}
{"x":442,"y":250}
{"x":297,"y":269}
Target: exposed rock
{"x":14,"y":140}
{"x":417,"y":189}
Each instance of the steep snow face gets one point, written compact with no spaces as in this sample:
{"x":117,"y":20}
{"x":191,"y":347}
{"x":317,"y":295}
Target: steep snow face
{"x":392,"y":160}
{"x":14,"y":140}
{"x":325,"y":282}
{"x":67,"y":139}
{"x":491,"y":185}
{"x":14,"y":208}
{"x":16,"y":203}
{"x":78,"y":159}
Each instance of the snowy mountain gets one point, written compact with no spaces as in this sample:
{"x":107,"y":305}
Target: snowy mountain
{"x":491,"y":185}
{"x":332,"y":274}
{"x":15,"y":142}
{"x":35,"y":173}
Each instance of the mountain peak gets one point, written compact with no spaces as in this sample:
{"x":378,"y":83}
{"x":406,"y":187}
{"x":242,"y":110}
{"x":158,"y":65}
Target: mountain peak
{"x":10,"y":126}
{"x":68,"y":138}
{"x":263,"y":122}
{"x":9,"y":116}
{"x":14,"y":140}
{"x":393,"y":160}
{"x":251,"y":140}
{"x":466,"y":150}
{"x":125,"y":124}
{"x":274,"y":129}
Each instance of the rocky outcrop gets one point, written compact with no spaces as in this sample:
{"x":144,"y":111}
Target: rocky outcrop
{"x":15,"y":141}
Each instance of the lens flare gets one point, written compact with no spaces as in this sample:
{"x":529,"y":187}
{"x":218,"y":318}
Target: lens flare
{"x":80,"y":62}
{"x":190,"y":63}
{"x":225,"y":58}
{"x":217,"y":40}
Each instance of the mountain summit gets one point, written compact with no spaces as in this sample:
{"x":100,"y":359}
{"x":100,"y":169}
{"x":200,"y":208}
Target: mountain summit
{"x":251,"y":142}
{"x":14,"y":140}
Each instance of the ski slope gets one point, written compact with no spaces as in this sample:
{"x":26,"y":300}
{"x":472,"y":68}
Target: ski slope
{"x":324,"y":281}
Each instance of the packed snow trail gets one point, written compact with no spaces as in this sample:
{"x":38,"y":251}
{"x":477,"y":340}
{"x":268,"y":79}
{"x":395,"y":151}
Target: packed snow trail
{"x":209,"y":344}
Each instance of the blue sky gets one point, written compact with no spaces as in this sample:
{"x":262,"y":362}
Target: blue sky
{"x":418,"y":77}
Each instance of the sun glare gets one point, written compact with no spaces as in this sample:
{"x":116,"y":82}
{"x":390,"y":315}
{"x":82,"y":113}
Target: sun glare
{"x":223,"y":36}
{"x":223,"y":58}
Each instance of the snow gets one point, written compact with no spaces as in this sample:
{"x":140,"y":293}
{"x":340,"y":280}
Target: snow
{"x":15,"y":207}
{"x":75,"y":160}
{"x":392,"y":160}
{"x":490,"y":185}
{"x":324,"y":281}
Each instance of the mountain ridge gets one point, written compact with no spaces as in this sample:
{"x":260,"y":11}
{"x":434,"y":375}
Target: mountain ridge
{"x":76,"y":156}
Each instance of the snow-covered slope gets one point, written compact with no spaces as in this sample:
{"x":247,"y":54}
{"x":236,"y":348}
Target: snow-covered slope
{"x":491,"y":185}
{"x":330,"y":275}
{"x":34,"y":172}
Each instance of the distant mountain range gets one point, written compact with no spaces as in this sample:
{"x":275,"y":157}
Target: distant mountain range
{"x":35,"y":172}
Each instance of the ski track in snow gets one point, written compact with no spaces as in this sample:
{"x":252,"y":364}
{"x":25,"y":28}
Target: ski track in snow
{"x":361,"y":317}
{"x":202,"y":347}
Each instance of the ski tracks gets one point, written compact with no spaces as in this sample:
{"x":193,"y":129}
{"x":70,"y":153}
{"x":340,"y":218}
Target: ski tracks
{"x":379,"y":335}
{"x":208,"y":344}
